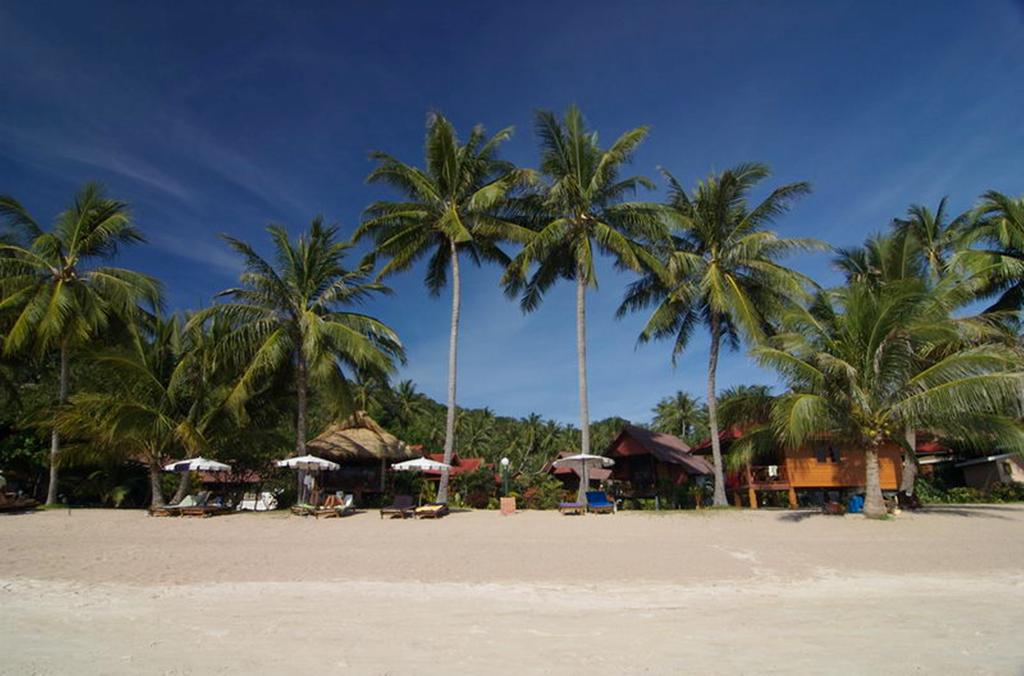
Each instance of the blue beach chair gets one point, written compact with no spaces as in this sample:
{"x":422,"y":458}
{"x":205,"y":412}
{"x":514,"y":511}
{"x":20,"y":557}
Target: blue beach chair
{"x":598,"y":502}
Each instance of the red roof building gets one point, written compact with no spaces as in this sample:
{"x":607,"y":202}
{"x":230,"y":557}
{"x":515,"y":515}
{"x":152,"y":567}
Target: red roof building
{"x":459,"y":465}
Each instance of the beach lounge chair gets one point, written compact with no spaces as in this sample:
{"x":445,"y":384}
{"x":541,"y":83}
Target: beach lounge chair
{"x":572,"y":507}
{"x":434,"y":510}
{"x":175,"y":510}
{"x":598,"y":502}
{"x":205,"y":506}
{"x":336,"y":505}
{"x":403,"y":506}
{"x":13,"y":503}
{"x":303,"y":509}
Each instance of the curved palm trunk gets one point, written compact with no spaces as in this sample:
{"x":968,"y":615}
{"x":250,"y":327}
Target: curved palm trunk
{"x":719,"y":499}
{"x":874,"y":504}
{"x":909,"y":475}
{"x":155,"y":485}
{"x":300,"y":414}
{"x":183,"y":488}
{"x":581,"y":364}
{"x":453,"y":348}
{"x":62,"y":398}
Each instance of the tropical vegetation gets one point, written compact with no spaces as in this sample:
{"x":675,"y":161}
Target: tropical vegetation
{"x":922,"y":334}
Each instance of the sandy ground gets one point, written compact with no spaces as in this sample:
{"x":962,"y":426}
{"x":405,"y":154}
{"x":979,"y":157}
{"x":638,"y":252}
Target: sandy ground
{"x":117,"y":592}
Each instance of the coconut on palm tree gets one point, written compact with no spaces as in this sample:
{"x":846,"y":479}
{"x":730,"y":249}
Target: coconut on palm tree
{"x":721,"y":270}
{"x":452,"y":208}
{"x":864,"y":364}
{"x":59,"y":298}
{"x":581,"y":210}
{"x":294,"y":319}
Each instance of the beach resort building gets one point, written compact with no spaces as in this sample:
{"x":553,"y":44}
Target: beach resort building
{"x":645,"y":460}
{"x":818,"y":470}
{"x":364,"y":450}
{"x":988,"y":471}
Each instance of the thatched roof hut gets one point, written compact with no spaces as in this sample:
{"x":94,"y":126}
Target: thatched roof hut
{"x":359,"y":439}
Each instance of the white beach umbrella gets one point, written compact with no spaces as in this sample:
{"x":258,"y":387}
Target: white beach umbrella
{"x":420,"y":465}
{"x":197,"y":465}
{"x":582,"y":462}
{"x":308,"y":462}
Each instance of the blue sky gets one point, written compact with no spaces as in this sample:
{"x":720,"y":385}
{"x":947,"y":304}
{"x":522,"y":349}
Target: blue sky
{"x":211,"y":118}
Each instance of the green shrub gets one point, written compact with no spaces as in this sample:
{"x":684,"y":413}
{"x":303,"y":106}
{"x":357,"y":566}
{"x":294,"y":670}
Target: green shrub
{"x":538,"y":491}
{"x":475,"y":488}
{"x":930,"y":490}
{"x":1011,"y":492}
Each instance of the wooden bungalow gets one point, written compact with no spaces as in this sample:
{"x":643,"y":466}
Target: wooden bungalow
{"x":363,"y":449}
{"x":645,"y":459}
{"x":821,"y":467}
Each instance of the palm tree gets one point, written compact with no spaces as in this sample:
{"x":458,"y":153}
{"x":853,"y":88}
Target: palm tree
{"x":926,"y":251}
{"x":289,"y":320}
{"x":61,"y":300}
{"x":150,"y":408}
{"x":451,"y":207}
{"x":720,"y":270}
{"x":407,"y":402}
{"x":935,"y":238}
{"x":581,"y":207}
{"x":864,"y":364}
{"x":999,"y":235}
{"x":883,"y":258}
{"x":682,"y":415}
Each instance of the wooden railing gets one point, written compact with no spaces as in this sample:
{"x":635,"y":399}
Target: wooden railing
{"x":766,"y":474}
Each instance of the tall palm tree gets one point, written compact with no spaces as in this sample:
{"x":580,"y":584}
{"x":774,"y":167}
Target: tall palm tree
{"x":59,"y":297}
{"x":289,"y":319}
{"x":682,"y":414}
{"x":721,"y":269}
{"x":864,"y":364}
{"x":579,"y":208}
{"x":451,"y":207}
{"x":936,"y":238}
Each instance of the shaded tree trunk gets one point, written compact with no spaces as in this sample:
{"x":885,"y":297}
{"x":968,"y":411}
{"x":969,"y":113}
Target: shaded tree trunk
{"x":909,"y":463}
{"x":581,"y":364}
{"x":453,"y":349}
{"x":155,"y":486}
{"x":874,"y":504}
{"x":719,"y":499}
{"x":183,"y":488}
{"x":300,"y":415}
{"x":62,"y":398}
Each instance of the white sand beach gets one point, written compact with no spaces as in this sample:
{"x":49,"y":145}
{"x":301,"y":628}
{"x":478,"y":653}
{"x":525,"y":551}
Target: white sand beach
{"x":117,"y":592}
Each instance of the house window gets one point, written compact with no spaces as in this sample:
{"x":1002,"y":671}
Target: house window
{"x":827,"y":454}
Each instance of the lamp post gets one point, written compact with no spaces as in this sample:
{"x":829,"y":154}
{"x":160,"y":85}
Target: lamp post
{"x":504,"y":476}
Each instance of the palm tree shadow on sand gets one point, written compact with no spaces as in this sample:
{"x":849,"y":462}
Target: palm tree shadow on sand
{"x":973,"y":511}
